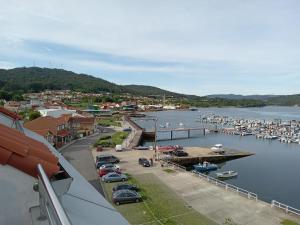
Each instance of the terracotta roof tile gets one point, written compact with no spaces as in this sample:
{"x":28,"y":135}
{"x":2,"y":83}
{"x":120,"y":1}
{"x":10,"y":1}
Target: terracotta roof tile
{"x":24,"y":153}
{"x":47,"y":122}
{"x":10,"y":113}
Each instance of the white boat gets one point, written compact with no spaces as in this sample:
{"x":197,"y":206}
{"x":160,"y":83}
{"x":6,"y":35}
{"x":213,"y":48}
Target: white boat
{"x":218,"y":148}
{"x":227,"y":174}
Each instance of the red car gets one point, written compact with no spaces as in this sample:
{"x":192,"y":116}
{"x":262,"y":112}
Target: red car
{"x":105,"y":171}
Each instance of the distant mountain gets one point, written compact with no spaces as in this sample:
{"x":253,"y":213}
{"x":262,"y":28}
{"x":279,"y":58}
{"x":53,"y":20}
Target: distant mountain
{"x":285,"y":100}
{"x":239,"y":97}
{"x":35,"y":79}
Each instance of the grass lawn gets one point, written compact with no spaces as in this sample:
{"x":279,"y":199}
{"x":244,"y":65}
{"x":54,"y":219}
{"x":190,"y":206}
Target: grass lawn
{"x":160,"y":205}
{"x":289,"y":222}
{"x":110,"y":121}
{"x":111,"y":141}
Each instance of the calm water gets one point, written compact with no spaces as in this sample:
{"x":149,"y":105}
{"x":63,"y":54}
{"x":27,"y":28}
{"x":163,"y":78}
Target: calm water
{"x":272,"y":173}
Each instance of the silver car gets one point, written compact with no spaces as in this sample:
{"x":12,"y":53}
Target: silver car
{"x":114,"y":177}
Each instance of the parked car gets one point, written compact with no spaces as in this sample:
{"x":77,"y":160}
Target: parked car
{"x":114,"y":177}
{"x":110,"y":165}
{"x":126,"y":196}
{"x":104,"y":159}
{"x":104,"y":171}
{"x":144,"y":162}
{"x":125,"y":186}
{"x":179,"y":153}
{"x":119,"y":148}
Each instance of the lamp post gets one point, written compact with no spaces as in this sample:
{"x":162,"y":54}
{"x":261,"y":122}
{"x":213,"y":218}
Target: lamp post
{"x":155,"y":133}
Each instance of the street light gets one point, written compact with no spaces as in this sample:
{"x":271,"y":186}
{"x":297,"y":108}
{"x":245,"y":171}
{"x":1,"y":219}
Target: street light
{"x":155,"y":132}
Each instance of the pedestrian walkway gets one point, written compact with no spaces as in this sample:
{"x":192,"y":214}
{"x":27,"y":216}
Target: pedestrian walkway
{"x":208,"y":199}
{"x":219,"y":204}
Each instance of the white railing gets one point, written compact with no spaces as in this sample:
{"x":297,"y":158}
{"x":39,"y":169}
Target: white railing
{"x":286,"y":208}
{"x":241,"y":191}
{"x":226,"y":186}
{"x":176,"y":166}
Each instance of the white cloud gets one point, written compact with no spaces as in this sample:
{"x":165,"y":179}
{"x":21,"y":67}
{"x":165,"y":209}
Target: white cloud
{"x":236,"y":38}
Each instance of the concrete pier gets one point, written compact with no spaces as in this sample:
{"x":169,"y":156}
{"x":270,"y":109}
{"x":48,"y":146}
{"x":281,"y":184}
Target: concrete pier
{"x":200,"y":154}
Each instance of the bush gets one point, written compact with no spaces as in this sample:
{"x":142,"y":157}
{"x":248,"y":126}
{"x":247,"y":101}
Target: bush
{"x":106,"y":137}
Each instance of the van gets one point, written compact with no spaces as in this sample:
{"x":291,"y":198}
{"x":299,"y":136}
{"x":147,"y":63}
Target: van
{"x":119,"y":148}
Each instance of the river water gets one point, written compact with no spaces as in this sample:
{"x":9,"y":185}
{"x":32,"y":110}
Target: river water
{"x":272,"y":173}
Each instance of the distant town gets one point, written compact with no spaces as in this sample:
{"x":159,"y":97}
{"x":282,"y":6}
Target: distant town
{"x":63,"y":115}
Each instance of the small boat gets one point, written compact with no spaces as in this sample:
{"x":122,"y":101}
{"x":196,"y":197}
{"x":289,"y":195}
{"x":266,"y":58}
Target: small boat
{"x":205,"y":167}
{"x":227,"y":174}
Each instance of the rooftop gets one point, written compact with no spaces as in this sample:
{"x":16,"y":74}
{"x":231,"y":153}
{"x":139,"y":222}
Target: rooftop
{"x":20,"y":153}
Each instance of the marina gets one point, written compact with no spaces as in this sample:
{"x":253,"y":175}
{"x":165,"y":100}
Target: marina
{"x":276,"y":129}
{"x":259,"y":173}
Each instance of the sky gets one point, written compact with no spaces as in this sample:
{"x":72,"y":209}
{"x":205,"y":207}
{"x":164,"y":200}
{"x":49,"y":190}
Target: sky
{"x":189,"y":46}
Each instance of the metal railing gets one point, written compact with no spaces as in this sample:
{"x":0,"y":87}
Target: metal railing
{"x":286,"y":208}
{"x":226,"y":186}
{"x":50,"y":205}
{"x":241,"y":191}
{"x":231,"y":187}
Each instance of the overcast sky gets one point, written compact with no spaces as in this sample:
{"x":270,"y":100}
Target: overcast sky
{"x":189,"y":46}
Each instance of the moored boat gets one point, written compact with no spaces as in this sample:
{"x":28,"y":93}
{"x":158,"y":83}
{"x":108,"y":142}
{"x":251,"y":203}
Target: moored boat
{"x":205,"y":167}
{"x":227,"y":174}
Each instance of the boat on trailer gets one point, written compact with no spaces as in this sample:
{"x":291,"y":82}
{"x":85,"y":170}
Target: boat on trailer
{"x":227,"y":174}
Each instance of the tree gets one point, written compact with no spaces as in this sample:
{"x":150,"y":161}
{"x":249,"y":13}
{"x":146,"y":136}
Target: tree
{"x":33,"y":115}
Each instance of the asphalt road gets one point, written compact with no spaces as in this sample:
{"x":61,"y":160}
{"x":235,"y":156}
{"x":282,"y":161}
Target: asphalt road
{"x":80,"y":156}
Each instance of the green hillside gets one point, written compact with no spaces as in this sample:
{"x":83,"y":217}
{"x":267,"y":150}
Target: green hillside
{"x":14,"y":82}
{"x":36,"y":79}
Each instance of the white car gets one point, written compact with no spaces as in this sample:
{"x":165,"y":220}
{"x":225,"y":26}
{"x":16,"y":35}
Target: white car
{"x":119,"y":148}
{"x":110,"y":165}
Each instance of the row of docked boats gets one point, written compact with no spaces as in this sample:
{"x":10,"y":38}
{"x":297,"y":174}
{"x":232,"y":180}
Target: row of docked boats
{"x":207,"y":167}
{"x":283,"y":131}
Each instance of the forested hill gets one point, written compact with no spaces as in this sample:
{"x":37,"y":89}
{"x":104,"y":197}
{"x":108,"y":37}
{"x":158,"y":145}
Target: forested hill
{"x":34,"y":79}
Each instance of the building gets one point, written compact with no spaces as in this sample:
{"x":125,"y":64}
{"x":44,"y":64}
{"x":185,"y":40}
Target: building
{"x":12,"y":106}
{"x":82,"y":126}
{"x":57,"y":130}
{"x":40,"y":187}
{"x":56,"y":112}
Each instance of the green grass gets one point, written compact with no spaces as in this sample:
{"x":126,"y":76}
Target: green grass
{"x":289,"y":222}
{"x":169,"y":171}
{"x":160,"y":205}
{"x":111,"y":121}
{"x":111,"y":141}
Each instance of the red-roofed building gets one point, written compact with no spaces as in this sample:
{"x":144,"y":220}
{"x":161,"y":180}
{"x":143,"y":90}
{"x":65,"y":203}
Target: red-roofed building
{"x":82,"y":126}
{"x":55,"y":130}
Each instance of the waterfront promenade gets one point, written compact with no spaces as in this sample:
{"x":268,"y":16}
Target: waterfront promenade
{"x":206,"y":198}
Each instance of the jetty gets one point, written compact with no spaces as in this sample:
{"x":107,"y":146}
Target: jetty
{"x":201,"y":154}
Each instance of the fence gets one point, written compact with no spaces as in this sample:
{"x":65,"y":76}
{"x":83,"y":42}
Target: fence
{"x":231,"y":187}
{"x":226,"y":186}
{"x":241,"y":191}
{"x":286,"y":208}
